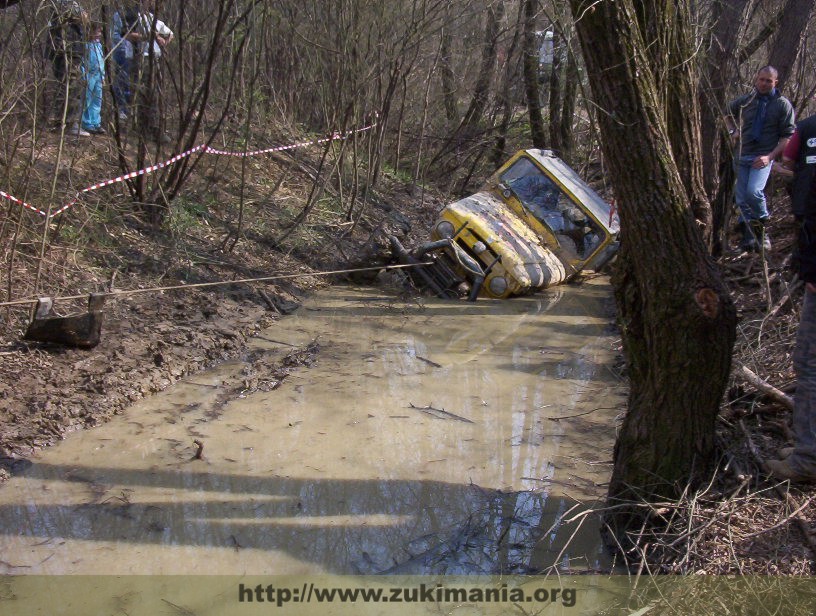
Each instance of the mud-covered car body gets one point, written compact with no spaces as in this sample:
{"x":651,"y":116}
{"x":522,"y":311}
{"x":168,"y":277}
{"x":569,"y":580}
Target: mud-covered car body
{"x":535,"y":223}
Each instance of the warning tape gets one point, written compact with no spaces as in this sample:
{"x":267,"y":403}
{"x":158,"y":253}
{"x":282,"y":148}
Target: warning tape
{"x":204,"y":148}
{"x":14,"y":199}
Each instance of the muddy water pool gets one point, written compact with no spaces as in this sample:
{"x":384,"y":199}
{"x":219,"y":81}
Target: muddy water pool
{"x":376,"y":436}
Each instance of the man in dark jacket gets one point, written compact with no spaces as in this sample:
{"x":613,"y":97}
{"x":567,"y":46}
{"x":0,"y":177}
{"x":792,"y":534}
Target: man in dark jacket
{"x":800,"y":157}
{"x":760,"y":124}
{"x":66,"y":50}
{"x":798,"y":463}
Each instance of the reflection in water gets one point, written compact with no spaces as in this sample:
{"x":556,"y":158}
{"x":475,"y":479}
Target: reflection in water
{"x":435,"y":438}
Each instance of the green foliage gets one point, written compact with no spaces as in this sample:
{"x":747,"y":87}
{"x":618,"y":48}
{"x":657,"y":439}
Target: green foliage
{"x":402,"y":175}
{"x":186,"y":213}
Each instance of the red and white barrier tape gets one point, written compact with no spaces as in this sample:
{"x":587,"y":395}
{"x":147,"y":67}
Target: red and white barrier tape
{"x":14,"y":199}
{"x":199,"y":148}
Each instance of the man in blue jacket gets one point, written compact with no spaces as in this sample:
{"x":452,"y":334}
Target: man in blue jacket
{"x":760,"y":124}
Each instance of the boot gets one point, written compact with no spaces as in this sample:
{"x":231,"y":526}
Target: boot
{"x":761,"y":237}
{"x":748,"y":242}
{"x":781,"y":469}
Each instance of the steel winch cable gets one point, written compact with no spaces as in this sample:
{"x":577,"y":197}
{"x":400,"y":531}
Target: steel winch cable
{"x":123,"y":292}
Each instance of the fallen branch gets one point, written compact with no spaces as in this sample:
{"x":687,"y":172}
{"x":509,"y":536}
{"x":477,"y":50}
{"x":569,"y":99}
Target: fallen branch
{"x":432,"y":412}
{"x":765,"y":387}
{"x":600,"y":408}
{"x":429,"y":362}
{"x":788,"y":293}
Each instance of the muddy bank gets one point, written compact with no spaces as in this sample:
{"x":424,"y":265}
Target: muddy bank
{"x":151,"y":340}
{"x":148,"y":342}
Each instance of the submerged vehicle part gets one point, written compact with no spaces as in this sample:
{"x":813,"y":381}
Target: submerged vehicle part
{"x":534,"y":224}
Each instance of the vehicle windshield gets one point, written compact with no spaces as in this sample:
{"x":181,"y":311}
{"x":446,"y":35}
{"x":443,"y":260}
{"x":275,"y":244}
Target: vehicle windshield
{"x":543,"y":198}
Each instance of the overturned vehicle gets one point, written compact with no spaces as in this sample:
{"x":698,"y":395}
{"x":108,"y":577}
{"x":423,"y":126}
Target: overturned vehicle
{"x":534,"y":224}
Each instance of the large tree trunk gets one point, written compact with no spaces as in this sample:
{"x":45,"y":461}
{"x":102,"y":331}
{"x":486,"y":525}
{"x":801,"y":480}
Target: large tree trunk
{"x":677,"y":319}
{"x":669,"y":37}
{"x":682,"y":106}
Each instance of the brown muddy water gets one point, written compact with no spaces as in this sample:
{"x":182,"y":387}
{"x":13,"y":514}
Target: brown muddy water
{"x":433,"y":437}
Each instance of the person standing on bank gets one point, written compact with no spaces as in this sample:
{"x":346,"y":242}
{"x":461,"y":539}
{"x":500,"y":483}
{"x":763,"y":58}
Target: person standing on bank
{"x":800,"y":157}
{"x":155,"y":36}
{"x":760,"y":124}
{"x":798,"y":463}
{"x":66,"y":50}
{"x":94,"y":69}
{"x":125,"y":38}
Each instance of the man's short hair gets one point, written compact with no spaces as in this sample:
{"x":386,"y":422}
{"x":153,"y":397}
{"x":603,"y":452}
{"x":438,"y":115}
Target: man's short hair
{"x":769,"y":69}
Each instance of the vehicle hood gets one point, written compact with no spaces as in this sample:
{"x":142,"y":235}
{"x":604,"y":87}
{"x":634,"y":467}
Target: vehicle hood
{"x":522,"y":251}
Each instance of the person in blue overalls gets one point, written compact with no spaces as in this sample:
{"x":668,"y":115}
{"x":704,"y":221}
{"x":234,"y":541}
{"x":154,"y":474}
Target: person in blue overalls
{"x":94,"y":69}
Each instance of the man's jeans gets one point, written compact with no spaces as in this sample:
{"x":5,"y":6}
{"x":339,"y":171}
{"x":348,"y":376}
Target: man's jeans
{"x":803,"y":458}
{"x":749,"y":191}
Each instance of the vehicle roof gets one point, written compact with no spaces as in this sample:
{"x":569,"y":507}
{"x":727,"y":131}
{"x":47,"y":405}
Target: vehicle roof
{"x":570,"y":180}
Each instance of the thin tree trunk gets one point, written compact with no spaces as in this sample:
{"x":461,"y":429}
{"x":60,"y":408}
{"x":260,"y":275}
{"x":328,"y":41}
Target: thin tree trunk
{"x":788,"y":43}
{"x":555,"y":104}
{"x":729,"y":21}
{"x":567,"y":124}
{"x":448,"y":78}
{"x":505,"y":93}
{"x":481,"y":90}
{"x":538,"y":133}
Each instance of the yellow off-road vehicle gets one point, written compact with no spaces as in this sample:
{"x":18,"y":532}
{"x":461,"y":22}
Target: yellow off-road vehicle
{"x":534,"y":224}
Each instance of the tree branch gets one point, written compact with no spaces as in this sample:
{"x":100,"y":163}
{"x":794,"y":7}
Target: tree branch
{"x":763,"y":386}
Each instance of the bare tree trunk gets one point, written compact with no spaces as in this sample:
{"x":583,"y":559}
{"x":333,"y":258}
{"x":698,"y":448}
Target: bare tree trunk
{"x":448,"y":78}
{"x":567,"y":123}
{"x":721,"y":68}
{"x":677,"y":319}
{"x":469,"y":127}
{"x":423,"y":125}
{"x":555,"y":103}
{"x":538,"y":134}
{"x":505,"y":93}
{"x":481,"y":91}
{"x":789,"y":38}
{"x":669,"y":36}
